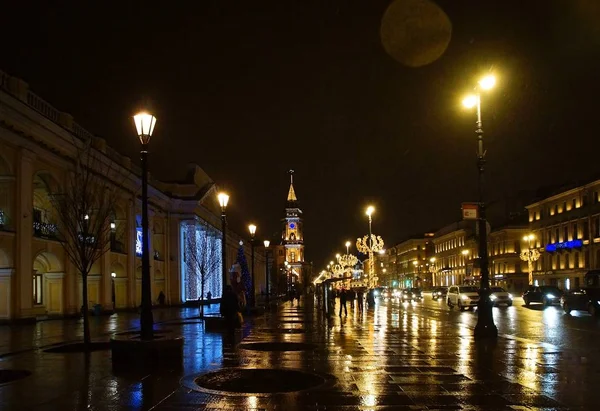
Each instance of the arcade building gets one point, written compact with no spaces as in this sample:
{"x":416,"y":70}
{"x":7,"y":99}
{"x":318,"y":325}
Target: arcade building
{"x":37,"y":279}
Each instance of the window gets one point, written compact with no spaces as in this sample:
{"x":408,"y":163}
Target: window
{"x":37,"y":289}
{"x":280,"y":252}
{"x":564,"y":208}
{"x":293,"y":256}
{"x":566,"y":236}
{"x":574,"y":205}
{"x":595,"y":197}
{"x":576,"y":260}
{"x":555,"y":208}
{"x":575,"y":233}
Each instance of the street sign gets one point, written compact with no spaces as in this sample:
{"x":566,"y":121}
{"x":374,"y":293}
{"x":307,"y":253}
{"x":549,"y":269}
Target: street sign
{"x":470,"y":211}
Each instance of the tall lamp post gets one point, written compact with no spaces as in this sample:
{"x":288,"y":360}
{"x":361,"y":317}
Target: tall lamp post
{"x":267,"y":243}
{"x":252,"y":229}
{"x":223,"y":200}
{"x":370,"y":244}
{"x":530,"y":255}
{"x":144,"y":124}
{"x":485,"y":327}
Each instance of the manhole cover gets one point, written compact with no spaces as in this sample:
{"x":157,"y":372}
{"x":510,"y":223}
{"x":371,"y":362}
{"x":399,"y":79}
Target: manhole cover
{"x":277,"y":346}
{"x":7,"y":376}
{"x":79,"y":347}
{"x":238,"y":381}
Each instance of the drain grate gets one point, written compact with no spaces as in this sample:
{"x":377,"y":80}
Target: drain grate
{"x":7,"y":376}
{"x":238,"y":381}
{"x":78,"y":348}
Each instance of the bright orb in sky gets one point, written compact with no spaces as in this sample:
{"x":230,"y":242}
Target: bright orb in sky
{"x":415,"y":32}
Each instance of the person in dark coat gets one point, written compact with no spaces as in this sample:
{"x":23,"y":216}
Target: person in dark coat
{"x":161,"y":298}
{"x":360,"y":299}
{"x":343,"y":299}
{"x":230,"y":307}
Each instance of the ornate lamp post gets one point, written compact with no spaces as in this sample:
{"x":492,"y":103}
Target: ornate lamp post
{"x":223,"y":201}
{"x":368,"y":245}
{"x":530,"y":255}
{"x":252,"y":229}
{"x":485,"y":327}
{"x":144,"y":124}
{"x":267,"y":243}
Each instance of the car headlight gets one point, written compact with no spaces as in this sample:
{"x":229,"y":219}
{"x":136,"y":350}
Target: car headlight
{"x":550,"y":296}
{"x":493,"y":297}
{"x":464,"y":297}
{"x":510,"y":296}
{"x":376,"y":293}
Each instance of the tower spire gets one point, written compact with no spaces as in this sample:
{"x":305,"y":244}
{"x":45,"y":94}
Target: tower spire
{"x":291,"y":194}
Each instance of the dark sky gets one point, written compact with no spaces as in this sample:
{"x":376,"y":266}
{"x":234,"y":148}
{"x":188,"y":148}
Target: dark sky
{"x":250,"y":89}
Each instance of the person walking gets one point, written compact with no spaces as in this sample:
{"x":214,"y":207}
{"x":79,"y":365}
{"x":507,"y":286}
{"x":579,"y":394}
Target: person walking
{"x":161,"y":298}
{"x":343,"y":299}
{"x":360,"y":300}
{"x":230,"y":308}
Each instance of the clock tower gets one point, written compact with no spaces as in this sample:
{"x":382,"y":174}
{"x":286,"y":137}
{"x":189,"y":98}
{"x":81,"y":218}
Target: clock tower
{"x":293,"y":236}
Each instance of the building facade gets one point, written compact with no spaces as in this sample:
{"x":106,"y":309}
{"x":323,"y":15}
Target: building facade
{"x":455,"y":255}
{"x":506,"y":267}
{"x":409,"y":262}
{"x":292,"y":237}
{"x":567,"y":234}
{"x":37,"y":279}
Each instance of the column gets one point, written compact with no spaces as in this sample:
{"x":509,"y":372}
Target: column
{"x":24,"y":234}
{"x":131,"y":257}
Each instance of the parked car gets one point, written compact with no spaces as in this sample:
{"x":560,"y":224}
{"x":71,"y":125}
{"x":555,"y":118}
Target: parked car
{"x":417,"y":294}
{"x":462,"y":296}
{"x":544,"y":294}
{"x":500,"y":296}
{"x":438,"y":293}
{"x":586,"y":298}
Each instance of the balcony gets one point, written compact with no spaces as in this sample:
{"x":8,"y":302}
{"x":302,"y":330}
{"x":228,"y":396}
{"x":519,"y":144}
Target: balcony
{"x":44,"y":230}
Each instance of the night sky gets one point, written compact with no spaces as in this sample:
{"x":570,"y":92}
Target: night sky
{"x":250,"y":89}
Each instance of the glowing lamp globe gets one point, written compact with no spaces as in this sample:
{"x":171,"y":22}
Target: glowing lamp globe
{"x":144,"y":124}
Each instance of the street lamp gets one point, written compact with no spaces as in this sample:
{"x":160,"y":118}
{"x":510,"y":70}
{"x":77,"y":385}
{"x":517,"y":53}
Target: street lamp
{"x":530,"y":255}
{"x":223,"y":201}
{"x":370,"y":244}
{"x":348,"y":244}
{"x":267,"y":243}
{"x":485,"y":321}
{"x":252,"y":229}
{"x":144,"y":124}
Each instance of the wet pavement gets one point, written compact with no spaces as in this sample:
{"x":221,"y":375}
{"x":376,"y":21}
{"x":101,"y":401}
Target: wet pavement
{"x":418,"y":356}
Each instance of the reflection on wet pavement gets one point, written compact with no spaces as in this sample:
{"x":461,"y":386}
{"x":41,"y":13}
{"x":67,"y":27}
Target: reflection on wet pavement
{"x":396,"y":357}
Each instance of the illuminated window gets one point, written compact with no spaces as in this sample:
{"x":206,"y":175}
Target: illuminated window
{"x":38,"y":282}
{"x":293,"y":256}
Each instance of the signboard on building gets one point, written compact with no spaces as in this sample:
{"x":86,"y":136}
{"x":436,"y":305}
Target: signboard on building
{"x":470,"y":211}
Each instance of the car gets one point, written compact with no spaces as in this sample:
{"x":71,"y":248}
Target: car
{"x":439,"y":293}
{"x":417,"y":294}
{"x":408,"y":295}
{"x":462,"y":296}
{"x":586,"y":298}
{"x":544,"y":294}
{"x":500,"y":296}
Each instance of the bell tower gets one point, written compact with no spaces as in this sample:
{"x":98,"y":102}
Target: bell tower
{"x":293,"y":236}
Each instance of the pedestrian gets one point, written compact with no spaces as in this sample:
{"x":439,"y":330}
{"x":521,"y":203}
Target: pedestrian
{"x":360,"y":300}
{"x":161,"y":298}
{"x":230,"y":309}
{"x":343,"y":298}
{"x":298,"y":295}
{"x":209,"y":298}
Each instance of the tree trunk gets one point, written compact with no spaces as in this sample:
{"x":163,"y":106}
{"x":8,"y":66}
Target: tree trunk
{"x":86,"y":316}
{"x":201,"y":296}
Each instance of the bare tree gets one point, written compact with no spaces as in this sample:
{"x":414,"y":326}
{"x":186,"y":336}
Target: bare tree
{"x":203,"y":256}
{"x":84,"y":207}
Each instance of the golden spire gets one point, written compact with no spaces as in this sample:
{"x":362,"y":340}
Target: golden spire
{"x":292,"y":194}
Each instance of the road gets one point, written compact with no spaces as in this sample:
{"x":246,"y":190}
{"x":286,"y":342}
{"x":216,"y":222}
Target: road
{"x":536,"y":323}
